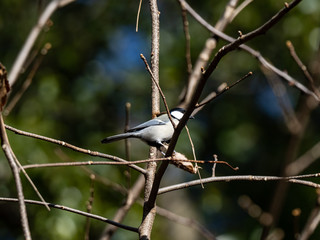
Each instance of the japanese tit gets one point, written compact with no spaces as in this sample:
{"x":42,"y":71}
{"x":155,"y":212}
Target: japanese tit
{"x":154,"y":132}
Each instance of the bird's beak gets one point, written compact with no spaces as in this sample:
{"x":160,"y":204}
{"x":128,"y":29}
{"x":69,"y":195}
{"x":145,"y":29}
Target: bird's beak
{"x":191,"y":117}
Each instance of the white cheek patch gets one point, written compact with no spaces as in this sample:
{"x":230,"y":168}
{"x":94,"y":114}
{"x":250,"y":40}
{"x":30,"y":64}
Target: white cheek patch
{"x":177,"y":114}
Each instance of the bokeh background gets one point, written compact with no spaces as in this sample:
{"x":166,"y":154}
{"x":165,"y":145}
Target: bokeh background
{"x":93,"y":69}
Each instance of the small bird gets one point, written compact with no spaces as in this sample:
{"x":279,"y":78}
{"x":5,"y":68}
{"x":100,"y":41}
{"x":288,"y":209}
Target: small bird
{"x":154,"y":132}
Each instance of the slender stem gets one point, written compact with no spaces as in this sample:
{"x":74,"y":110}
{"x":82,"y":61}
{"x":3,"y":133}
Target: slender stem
{"x":68,"y":209}
{"x":75,"y":148}
{"x":15,"y":170}
{"x":256,"y":54}
{"x":292,"y":179}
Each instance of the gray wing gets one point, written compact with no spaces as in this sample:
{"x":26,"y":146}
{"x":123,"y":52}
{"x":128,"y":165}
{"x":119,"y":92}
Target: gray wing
{"x":152,"y":122}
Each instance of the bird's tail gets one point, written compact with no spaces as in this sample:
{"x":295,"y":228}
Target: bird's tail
{"x":117,"y":137}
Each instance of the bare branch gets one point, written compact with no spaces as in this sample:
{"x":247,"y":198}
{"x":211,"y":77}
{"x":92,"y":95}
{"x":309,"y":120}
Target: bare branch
{"x":97,"y":163}
{"x":207,"y":50}
{"x":302,"y":67}
{"x":256,"y":54}
{"x":214,"y":95}
{"x":159,"y":89}
{"x":89,"y":207}
{"x":33,"y":35}
{"x":68,"y":209}
{"x":28,"y":80}
{"x":138,"y":15}
{"x":15,"y":170}
{"x":283,"y":100}
{"x":292,"y":179}
{"x":149,"y":200}
{"x":187,"y":37}
{"x":75,"y":148}
{"x":220,"y":54}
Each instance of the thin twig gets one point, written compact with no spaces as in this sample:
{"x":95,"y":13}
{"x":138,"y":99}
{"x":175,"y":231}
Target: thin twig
{"x":159,"y":88}
{"x":127,"y":143}
{"x":214,"y":96}
{"x":15,"y":171}
{"x":220,"y":54}
{"x":205,"y":76}
{"x":68,"y":209}
{"x":75,"y":148}
{"x":206,"y":52}
{"x":89,"y":206}
{"x":98,"y":163}
{"x":187,"y":38}
{"x":29,"y":180}
{"x":98,"y":178}
{"x":302,"y":67}
{"x":256,"y":54}
{"x":283,"y":100}
{"x":193,"y":152}
{"x":28,"y":80}
{"x":291,"y":179}
{"x":138,"y":15}
{"x":215,"y":157}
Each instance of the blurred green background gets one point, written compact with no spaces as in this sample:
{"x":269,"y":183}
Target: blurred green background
{"x":93,"y":68}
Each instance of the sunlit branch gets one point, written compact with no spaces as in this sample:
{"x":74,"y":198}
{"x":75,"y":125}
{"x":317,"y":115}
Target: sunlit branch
{"x":291,"y":179}
{"x":75,"y":148}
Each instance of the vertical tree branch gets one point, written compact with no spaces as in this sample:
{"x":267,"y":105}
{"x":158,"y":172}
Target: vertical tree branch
{"x":149,"y":209}
{"x":15,"y":170}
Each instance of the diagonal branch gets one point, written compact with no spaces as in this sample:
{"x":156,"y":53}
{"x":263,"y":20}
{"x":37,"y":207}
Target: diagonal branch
{"x":75,"y":148}
{"x":201,"y":84}
{"x":256,"y":54}
{"x":33,"y":35}
{"x":68,"y":209}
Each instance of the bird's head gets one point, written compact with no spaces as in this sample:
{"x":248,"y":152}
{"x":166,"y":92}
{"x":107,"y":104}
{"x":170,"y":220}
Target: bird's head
{"x":177,"y":113}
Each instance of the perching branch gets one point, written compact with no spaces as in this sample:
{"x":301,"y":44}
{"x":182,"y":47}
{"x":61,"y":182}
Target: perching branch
{"x":75,"y":148}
